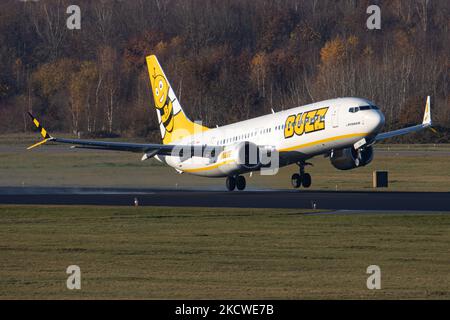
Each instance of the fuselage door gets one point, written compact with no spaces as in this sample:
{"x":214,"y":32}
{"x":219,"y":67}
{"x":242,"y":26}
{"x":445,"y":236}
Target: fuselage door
{"x":335,"y":117}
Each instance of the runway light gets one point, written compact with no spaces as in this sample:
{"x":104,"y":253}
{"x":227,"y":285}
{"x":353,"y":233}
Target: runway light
{"x":136,"y":202}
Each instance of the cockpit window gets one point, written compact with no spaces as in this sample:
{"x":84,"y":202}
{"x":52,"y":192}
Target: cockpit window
{"x":362,"y":108}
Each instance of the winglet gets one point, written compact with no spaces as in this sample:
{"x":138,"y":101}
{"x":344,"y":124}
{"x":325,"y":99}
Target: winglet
{"x":427,"y":114}
{"x":38,"y":144}
{"x":43,"y":132}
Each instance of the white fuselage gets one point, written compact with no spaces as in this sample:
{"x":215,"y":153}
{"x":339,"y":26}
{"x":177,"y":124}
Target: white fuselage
{"x":298,"y":133}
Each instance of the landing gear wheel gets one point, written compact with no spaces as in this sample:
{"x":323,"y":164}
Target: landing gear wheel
{"x":240,"y":182}
{"x":296,"y":181}
{"x":302,"y":178}
{"x":231,"y":183}
{"x":306,"y":180}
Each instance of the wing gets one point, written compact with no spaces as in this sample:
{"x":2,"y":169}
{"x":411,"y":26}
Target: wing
{"x":149,"y":149}
{"x":426,"y":123}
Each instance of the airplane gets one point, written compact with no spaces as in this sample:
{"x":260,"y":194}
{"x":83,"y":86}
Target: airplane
{"x":343,"y":129}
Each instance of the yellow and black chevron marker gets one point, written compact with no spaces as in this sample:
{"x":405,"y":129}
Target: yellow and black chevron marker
{"x":44,"y":133}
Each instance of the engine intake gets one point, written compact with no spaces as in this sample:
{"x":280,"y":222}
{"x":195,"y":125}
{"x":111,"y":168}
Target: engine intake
{"x":350,"y":158}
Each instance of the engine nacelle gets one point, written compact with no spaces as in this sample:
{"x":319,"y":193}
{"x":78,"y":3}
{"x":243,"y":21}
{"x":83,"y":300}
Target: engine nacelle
{"x":350,"y":158}
{"x":242,"y":157}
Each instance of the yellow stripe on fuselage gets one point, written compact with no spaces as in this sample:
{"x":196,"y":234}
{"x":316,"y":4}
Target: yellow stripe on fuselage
{"x":309,"y":144}
{"x":314,"y":143}
{"x":211,"y":167}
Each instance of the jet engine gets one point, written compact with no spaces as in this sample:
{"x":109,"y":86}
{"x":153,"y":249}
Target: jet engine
{"x":242,"y":157}
{"x":350,"y":158}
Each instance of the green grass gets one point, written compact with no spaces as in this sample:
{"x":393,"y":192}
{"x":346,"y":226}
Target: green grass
{"x":202,"y":253}
{"x":415,"y":147}
{"x":56,"y":165}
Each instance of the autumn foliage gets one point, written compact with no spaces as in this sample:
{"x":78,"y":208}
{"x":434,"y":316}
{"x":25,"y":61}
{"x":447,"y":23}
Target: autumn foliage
{"x":226,"y":60}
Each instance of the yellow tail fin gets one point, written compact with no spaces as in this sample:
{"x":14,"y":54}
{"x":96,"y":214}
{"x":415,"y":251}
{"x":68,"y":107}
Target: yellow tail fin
{"x":173,"y":123}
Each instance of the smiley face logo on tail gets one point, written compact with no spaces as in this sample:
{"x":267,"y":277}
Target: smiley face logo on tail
{"x":172,"y":121}
{"x":162,"y":101}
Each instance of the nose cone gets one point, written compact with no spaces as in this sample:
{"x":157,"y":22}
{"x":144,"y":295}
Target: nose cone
{"x":374,"y":121}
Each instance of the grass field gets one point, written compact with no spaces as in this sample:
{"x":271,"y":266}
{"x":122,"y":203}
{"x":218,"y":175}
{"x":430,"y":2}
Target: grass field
{"x":411,"y":167}
{"x":232,"y":253}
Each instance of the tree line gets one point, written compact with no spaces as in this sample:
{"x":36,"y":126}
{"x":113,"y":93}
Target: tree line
{"x":227,"y":60}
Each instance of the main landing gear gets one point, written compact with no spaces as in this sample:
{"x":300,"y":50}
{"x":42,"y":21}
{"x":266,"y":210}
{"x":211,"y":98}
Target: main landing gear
{"x":302,"y":178}
{"x":235,"y":182}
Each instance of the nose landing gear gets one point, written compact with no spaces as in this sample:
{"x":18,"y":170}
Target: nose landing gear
{"x":235,"y":182}
{"x":301,"y":179}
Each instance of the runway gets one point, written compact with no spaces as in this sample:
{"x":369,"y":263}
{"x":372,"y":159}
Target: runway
{"x":330,"y":200}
